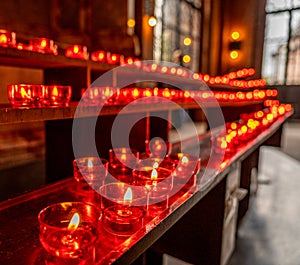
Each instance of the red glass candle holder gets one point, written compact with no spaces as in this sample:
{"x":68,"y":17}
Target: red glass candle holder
{"x":77,"y":51}
{"x":90,"y":170}
{"x":157,"y":147}
{"x":43,"y":45}
{"x":158,"y":199}
{"x":124,"y":207}
{"x":122,"y":161}
{"x":57,"y":95}
{"x":7,"y":38}
{"x":100,"y":56}
{"x":23,"y":95}
{"x":155,"y":162}
{"x":94,"y":96}
{"x":148,"y":176}
{"x":187,"y":167}
{"x":115,"y":58}
{"x":69,"y":229}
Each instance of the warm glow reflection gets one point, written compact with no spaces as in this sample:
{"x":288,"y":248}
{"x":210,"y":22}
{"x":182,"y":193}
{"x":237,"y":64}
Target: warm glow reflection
{"x":128,"y":196}
{"x":74,"y":222}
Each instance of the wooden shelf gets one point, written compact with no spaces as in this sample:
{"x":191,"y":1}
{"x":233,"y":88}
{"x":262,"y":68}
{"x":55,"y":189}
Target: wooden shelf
{"x":9,"y":114}
{"x":28,"y":59}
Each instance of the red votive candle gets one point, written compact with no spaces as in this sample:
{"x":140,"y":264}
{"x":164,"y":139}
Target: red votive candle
{"x":69,"y":229}
{"x":23,"y":95}
{"x":152,"y":175}
{"x":90,"y":170}
{"x":100,"y":56}
{"x":77,"y":51}
{"x":121,"y":163}
{"x":7,"y":38}
{"x":43,"y":45}
{"x":94,"y":96}
{"x":124,"y":207}
{"x":187,"y":167}
{"x":115,"y":58}
{"x":57,"y":95}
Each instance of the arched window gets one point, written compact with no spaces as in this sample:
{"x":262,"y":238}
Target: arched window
{"x":281,"y":63}
{"x":178,"y":29}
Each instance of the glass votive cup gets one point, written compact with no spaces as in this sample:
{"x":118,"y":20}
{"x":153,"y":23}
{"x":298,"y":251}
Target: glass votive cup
{"x":24,"y":95}
{"x":100,"y":56}
{"x":157,"y":147}
{"x":124,"y":207}
{"x":187,"y":167}
{"x":155,"y":162}
{"x":7,"y":38}
{"x":69,"y":229}
{"x":94,"y":96}
{"x":91,"y":171}
{"x":148,"y":176}
{"x":57,"y":95}
{"x":115,"y":58}
{"x":77,"y":51}
{"x":123,"y":159}
{"x":43,"y":45}
{"x":158,"y":199}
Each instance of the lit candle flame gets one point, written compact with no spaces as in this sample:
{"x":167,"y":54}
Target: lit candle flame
{"x":184,"y":160}
{"x":128,"y":196}
{"x":74,"y":222}
{"x":154,"y":175}
{"x":90,"y":164}
{"x":123,"y":157}
{"x":76,"y":49}
{"x":3,"y":38}
{"x":101,"y":55}
{"x":43,"y":43}
{"x":23,"y":93}
{"x":155,"y":165}
{"x":55,"y":92}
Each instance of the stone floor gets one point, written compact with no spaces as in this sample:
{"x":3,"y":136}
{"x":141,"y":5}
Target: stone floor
{"x":270,"y":231}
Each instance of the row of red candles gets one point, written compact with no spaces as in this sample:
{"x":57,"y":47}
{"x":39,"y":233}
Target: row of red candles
{"x":44,"y":45}
{"x":238,"y":134}
{"x":25,"y":95}
{"x":71,"y":228}
{"x":113,"y":96}
{"x":124,"y":207}
{"x":227,"y":79}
